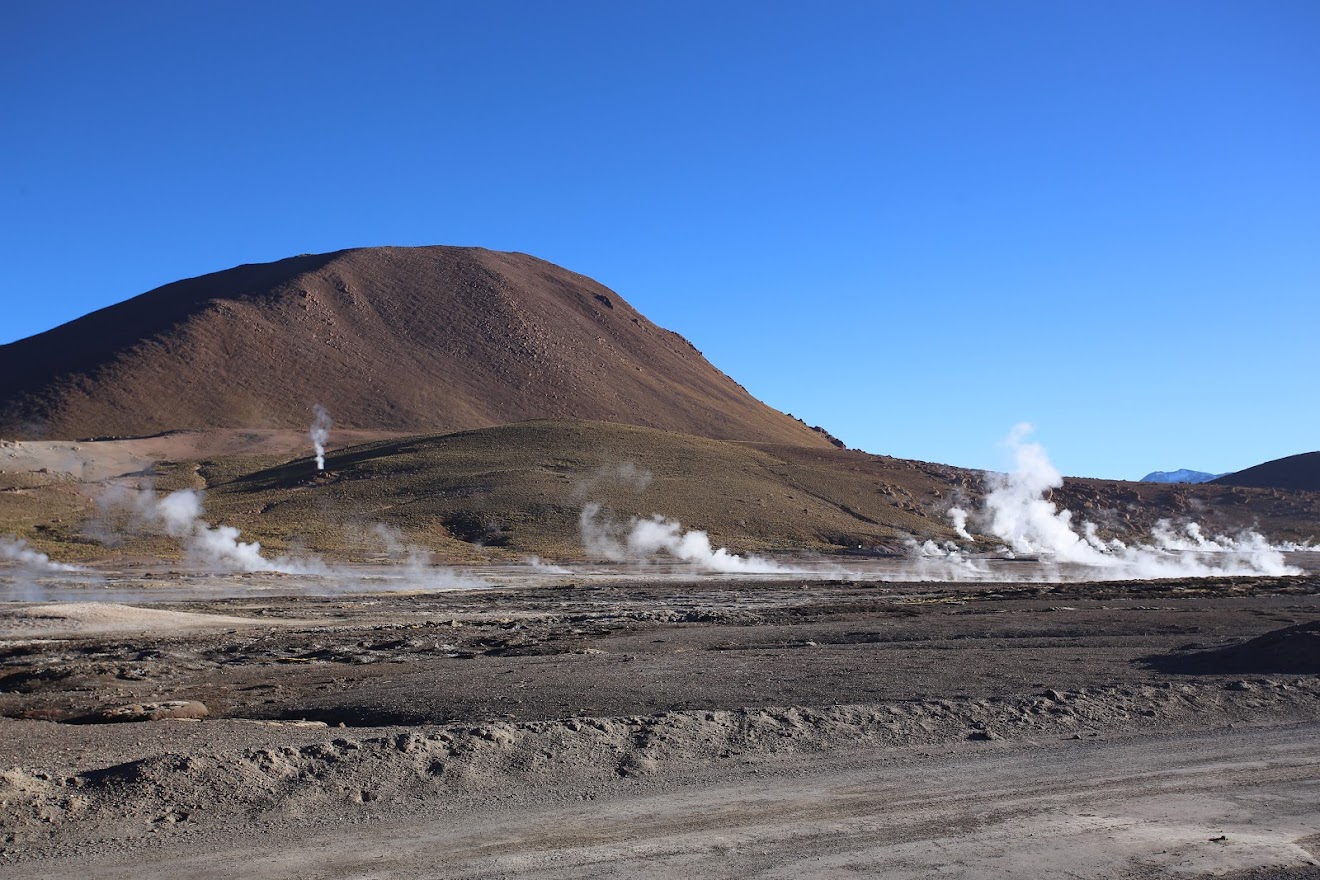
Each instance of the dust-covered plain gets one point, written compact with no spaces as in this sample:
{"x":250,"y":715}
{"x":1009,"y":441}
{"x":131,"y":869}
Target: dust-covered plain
{"x":647,"y":723}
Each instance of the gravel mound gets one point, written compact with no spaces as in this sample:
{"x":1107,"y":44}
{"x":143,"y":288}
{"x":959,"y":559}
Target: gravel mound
{"x":1293,"y":650}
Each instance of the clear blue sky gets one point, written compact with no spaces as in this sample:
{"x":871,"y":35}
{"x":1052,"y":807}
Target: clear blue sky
{"x":913,"y":223}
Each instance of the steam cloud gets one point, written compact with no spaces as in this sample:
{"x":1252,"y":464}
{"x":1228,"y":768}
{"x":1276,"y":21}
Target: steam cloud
{"x":179,"y":515}
{"x":23,"y":576}
{"x":1017,"y":512}
{"x":958,"y":517}
{"x":15,"y":550}
{"x":539,"y":565}
{"x":627,"y":475}
{"x":320,"y":433}
{"x":941,"y":561}
{"x":647,"y":538}
{"x":413,"y":564}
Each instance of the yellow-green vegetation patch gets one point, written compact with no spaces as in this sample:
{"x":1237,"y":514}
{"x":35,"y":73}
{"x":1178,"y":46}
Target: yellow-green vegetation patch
{"x":518,"y":489}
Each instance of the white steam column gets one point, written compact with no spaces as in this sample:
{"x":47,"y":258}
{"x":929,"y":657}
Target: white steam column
{"x":320,"y":433}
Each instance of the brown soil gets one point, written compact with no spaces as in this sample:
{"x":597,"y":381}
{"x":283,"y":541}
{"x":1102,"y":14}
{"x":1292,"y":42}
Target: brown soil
{"x":390,"y":339}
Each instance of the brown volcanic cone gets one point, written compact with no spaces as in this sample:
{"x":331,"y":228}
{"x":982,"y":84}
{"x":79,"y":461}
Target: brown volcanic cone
{"x":407,"y":339}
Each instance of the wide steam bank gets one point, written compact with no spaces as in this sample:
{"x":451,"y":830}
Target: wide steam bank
{"x":164,"y":582}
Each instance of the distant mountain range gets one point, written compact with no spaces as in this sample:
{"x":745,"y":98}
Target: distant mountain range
{"x":1180,"y":476}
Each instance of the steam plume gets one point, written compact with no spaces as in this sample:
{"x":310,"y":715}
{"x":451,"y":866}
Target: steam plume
{"x":538,"y":564}
{"x":179,"y":515}
{"x":414,"y":564}
{"x":942,"y":560}
{"x":647,"y":538}
{"x":320,"y":433}
{"x":17,"y":551}
{"x":958,"y":517}
{"x":627,"y":475}
{"x":1017,"y":513}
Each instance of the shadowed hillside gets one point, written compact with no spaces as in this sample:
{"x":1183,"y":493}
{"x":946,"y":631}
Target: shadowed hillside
{"x":390,"y":339}
{"x":1297,"y":472}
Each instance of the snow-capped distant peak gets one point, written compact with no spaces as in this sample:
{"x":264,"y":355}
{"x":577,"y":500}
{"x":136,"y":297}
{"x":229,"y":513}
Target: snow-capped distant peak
{"x":1179,"y":476}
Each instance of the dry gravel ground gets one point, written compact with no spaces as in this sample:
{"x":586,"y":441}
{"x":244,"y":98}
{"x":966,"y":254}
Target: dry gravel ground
{"x":1227,"y":802}
{"x":671,"y":729}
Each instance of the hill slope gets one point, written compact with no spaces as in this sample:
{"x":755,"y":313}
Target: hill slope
{"x":1297,"y":472}
{"x":501,"y":493}
{"x":523,"y":486}
{"x":399,"y":339}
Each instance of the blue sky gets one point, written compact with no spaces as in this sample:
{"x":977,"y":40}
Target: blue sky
{"x":916,"y":224}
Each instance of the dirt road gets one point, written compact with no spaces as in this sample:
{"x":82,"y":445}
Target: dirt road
{"x":1205,"y":803}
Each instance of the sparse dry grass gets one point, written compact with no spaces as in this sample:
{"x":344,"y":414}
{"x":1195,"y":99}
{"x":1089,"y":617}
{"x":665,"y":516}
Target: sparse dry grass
{"x":506,"y":492}
{"x":520,"y":488}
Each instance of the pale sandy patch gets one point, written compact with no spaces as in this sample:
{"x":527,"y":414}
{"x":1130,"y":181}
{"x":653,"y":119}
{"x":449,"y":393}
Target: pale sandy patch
{"x":96,"y":460}
{"x":85,"y":618}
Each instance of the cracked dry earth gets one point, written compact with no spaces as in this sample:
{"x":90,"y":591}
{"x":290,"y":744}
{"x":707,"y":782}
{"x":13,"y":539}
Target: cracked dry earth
{"x":670,"y":729}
